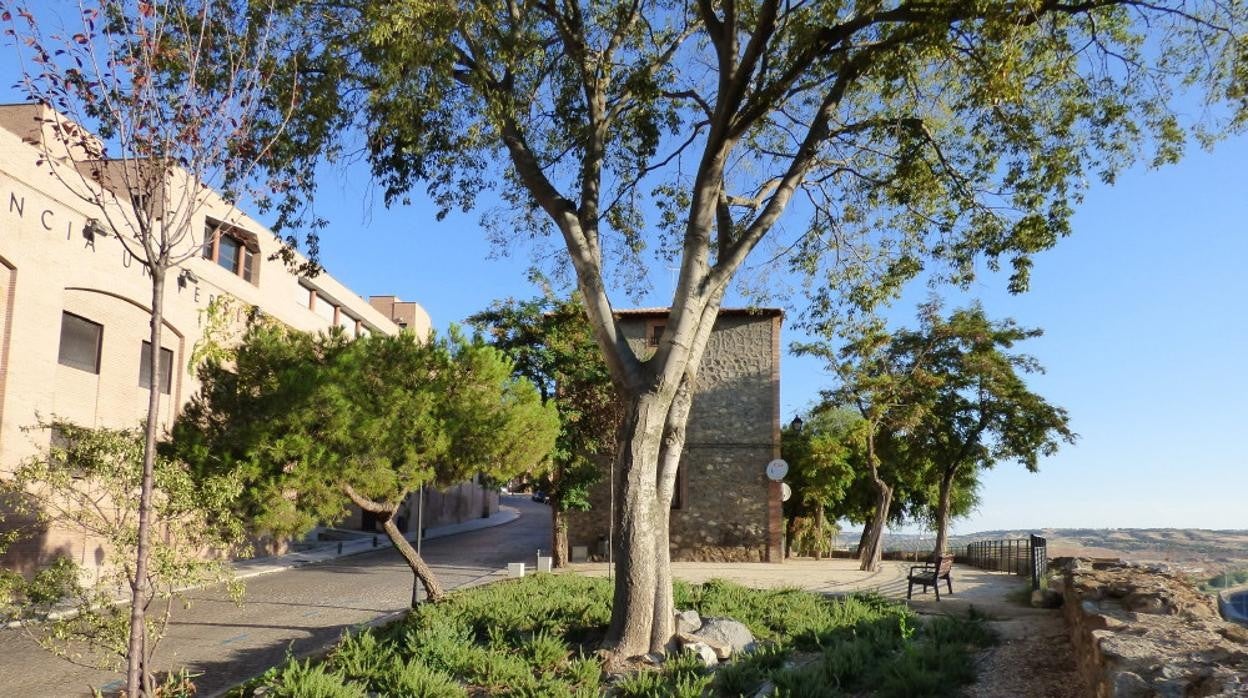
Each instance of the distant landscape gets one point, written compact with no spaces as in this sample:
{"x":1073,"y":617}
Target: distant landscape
{"x":1196,"y":551}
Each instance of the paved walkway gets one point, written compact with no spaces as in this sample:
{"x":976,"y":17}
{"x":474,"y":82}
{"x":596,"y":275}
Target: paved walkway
{"x":987,"y":591}
{"x":301,"y":603}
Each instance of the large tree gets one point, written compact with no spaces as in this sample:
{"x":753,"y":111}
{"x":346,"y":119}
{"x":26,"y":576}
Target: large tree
{"x":890,"y":132}
{"x":314,"y":423}
{"x":150,"y":116}
{"x":553,"y":347}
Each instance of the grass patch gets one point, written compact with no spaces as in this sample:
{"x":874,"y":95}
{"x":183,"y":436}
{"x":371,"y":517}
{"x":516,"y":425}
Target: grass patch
{"x":536,"y":637}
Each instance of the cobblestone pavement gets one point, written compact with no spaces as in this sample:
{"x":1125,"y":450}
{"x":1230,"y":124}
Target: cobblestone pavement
{"x":299,"y":610}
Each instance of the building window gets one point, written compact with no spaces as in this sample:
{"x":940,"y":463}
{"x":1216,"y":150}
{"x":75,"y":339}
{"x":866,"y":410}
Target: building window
{"x":166,"y":368}
{"x":80,"y":343}
{"x":233,"y":249}
{"x":654,"y":332}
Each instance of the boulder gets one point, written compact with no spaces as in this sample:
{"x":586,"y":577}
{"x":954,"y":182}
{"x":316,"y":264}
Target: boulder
{"x":728,"y":632}
{"x":688,"y":621}
{"x":704,"y":653}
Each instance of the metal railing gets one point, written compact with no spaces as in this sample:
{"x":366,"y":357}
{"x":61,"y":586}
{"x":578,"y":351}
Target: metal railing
{"x":1023,"y":557}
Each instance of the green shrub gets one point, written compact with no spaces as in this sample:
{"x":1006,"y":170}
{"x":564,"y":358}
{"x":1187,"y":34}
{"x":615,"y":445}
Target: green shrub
{"x":361,"y":656}
{"x":307,"y":680}
{"x":412,"y":679}
{"x":534,"y":638}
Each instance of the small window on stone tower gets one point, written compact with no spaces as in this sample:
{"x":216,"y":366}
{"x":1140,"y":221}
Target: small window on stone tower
{"x":654,"y":332}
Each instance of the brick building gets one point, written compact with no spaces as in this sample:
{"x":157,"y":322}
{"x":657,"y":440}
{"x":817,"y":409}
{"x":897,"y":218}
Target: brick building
{"x":724,"y":507}
{"x":74,"y":308}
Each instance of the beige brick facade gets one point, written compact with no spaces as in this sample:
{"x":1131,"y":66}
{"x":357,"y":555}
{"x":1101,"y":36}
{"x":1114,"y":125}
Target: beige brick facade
{"x":726,"y":508}
{"x":49,"y":266}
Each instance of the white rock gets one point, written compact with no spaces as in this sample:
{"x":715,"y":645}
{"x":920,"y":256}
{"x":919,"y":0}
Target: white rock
{"x":704,"y":652}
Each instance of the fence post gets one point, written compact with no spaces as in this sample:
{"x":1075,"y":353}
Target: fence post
{"x":1039,"y":560}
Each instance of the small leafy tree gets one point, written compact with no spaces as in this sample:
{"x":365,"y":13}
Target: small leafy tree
{"x":553,"y":346}
{"x":981,"y":410}
{"x":86,"y":484}
{"x":149,"y":110}
{"x":888,"y":388}
{"x":824,"y":456}
{"x":314,"y":423}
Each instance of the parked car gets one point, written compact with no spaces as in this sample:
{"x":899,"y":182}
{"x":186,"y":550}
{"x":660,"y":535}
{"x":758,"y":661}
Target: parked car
{"x":540,"y":496}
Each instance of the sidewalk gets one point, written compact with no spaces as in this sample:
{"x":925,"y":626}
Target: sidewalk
{"x":987,"y":591}
{"x":330,"y":550}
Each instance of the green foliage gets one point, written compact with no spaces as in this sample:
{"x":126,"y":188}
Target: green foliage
{"x":307,"y":679}
{"x":301,"y":418}
{"x":553,"y":346}
{"x":85,"y":483}
{"x":534,"y":637}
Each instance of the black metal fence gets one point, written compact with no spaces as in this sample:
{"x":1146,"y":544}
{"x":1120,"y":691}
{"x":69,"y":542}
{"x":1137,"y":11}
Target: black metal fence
{"x":1024,"y":557}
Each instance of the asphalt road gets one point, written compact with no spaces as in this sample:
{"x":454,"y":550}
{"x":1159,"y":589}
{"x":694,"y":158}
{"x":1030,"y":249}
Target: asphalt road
{"x":300,"y":610}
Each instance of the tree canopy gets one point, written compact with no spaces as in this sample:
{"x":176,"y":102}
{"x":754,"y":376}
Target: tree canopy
{"x":552,"y":346}
{"x":315,"y":423}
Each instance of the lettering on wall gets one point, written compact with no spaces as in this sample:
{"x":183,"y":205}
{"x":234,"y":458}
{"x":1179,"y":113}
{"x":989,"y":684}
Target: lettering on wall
{"x":21,"y":205}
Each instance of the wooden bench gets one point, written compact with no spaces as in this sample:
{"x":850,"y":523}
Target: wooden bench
{"x":930,"y":574}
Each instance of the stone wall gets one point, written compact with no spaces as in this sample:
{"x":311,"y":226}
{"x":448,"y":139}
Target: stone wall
{"x":726,"y":510}
{"x":1141,"y":631}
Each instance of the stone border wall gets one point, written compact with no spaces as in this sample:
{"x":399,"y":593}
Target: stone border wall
{"x":1142,"y":631}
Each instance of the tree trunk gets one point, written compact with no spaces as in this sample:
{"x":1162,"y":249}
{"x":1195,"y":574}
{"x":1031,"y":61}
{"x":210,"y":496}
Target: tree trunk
{"x":866,"y":534}
{"x":873,"y":551}
{"x":139,"y":585}
{"x":871,"y":554}
{"x":942,"y":511}
{"x":819,"y":532}
{"x":637,"y":526}
{"x":558,"y":533}
{"x":420,"y":569}
{"x":790,"y":528}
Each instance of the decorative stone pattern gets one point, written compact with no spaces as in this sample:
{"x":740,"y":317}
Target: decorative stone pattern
{"x":1141,"y":631}
{"x":725,"y":509}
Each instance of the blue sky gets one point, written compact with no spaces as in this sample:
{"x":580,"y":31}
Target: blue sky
{"x":1146,"y":333}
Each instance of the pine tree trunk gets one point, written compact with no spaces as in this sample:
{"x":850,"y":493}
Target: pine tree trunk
{"x":942,"y":511}
{"x":139,"y":585}
{"x":558,"y":533}
{"x":420,"y":569}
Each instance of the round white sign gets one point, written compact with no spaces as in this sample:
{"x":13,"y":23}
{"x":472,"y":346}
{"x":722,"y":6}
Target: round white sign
{"x":785,"y":491}
{"x":777,"y":469}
